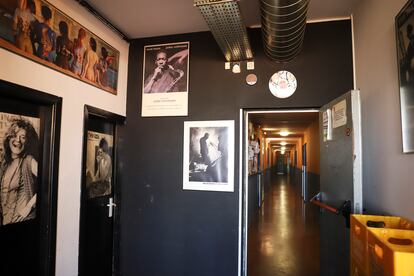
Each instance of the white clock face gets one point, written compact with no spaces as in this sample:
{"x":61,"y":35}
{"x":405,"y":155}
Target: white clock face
{"x":282,"y":84}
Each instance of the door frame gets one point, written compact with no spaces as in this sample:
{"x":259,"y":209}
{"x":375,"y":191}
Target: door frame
{"x":117,"y":120}
{"x":243,"y":176}
{"x":304,"y":171}
{"x":52,"y":106}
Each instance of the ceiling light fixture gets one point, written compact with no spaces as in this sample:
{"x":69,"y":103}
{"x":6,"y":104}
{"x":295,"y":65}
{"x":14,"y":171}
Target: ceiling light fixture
{"x":283,"y":143}
{"x":284,"y":133}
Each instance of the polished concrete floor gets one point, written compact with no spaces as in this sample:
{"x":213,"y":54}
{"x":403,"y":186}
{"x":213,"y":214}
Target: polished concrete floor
{"x":283,"y":238}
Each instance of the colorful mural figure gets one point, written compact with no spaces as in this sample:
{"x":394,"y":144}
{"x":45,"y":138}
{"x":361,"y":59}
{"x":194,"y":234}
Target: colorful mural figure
{"x":37,"y":30}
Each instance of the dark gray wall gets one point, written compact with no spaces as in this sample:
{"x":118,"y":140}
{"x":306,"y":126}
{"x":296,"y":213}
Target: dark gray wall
{"x":253,"y":192}
{"x":168,"y":231}
{"x":388,"y":182}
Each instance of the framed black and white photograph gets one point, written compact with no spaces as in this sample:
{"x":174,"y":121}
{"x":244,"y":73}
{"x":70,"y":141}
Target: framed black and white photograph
{"x":404,"y":24}
{"x":99,"y":164}
{"x":208,"y":156}
{"x":165,"y":79}
{"x":19,"y":156}
{"x":29,"y":155}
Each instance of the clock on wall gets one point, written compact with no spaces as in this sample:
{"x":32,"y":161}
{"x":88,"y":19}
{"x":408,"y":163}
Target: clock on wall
{"x":282,"y":84}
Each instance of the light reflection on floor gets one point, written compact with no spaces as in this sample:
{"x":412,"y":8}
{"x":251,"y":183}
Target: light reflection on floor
{"x":284,"y":237}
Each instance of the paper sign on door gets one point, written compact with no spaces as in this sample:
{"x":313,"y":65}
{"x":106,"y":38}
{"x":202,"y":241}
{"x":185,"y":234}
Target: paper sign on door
{"x":327,"y":125}
{"x":339,"y":114}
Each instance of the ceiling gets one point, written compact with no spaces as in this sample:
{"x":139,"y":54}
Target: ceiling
{"x":295,"y":123}
{"x":147,"y":18}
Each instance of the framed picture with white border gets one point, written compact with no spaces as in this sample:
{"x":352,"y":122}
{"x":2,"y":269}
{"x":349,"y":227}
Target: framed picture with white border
{"x":165,"y":80}
{"x":209,"y":156}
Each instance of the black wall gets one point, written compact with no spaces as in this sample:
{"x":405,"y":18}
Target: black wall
{"x":168,"y":231}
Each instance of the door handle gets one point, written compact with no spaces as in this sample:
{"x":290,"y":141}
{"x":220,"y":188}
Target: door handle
{"x":111,"y":206}
{"x":345,"y":209}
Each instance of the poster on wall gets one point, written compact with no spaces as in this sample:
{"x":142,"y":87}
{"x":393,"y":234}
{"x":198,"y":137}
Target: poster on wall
{"x":19,"y":157}
{"x":208,"y":156}
{"x":37,"y":30}
{"x":99,"y":164}
{"x":404,"y":23}
{"x":165,"y":80}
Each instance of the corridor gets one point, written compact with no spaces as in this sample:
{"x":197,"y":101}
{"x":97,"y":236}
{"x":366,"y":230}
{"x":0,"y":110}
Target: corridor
{"x":283,"y":238}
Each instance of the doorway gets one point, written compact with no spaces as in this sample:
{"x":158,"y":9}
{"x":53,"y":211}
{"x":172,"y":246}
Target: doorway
{"x":281,"y":135}
{"x":99,"y":228}
{"x":29,"y":155}
{"x":340,"y":190}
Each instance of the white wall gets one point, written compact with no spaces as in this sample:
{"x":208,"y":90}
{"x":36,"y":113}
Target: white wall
{"x":75,"y":95}
{"x":388,"y":173}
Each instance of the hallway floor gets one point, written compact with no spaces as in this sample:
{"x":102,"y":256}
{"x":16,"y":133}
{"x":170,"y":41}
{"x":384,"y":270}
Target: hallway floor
{"x":284,"y":237}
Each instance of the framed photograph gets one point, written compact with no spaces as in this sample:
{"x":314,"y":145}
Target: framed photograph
{"x":404,"y":24}
{"x":29,"y":155}
{"x":165,"y":80}
{"x":99,"y":222}
{"x":19,"y":156}
{"x":37,"y":30}
{"x":99,"y":156}
{"x":208,"y":156}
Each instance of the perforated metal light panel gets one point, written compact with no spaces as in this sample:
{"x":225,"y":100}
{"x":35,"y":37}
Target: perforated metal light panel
{"x":225,"y":22}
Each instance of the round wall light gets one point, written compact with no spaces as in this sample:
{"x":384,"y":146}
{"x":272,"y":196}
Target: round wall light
{"x":251,"y":79}
{"x":282,"y":84}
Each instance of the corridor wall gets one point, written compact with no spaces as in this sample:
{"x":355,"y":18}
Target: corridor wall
{"x":75,"y":94}
{"x":387,"y":172}
{"x":168,"y":231}
{"x":311,"y":138}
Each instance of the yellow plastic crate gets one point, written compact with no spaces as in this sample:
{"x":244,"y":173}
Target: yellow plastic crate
{"x":357,"y":269}
{"x":390,"y":252}
{"x":359,"y":233}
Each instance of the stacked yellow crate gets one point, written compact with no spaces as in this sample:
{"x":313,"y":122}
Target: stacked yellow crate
{"x":360,"y":229}
{"x":391,"y":252}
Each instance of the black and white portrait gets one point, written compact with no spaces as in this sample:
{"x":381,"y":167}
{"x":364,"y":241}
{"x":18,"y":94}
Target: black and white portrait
{"x":99,"y":164}
{"x":405,"y":53}
{"x":208,"y":155}
{"x":166,"y":68}
{"x":19,"y":156}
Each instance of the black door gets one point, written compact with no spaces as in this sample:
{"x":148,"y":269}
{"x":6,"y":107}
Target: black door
{"x":98,"y":229}
{"x":29,"y":127}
